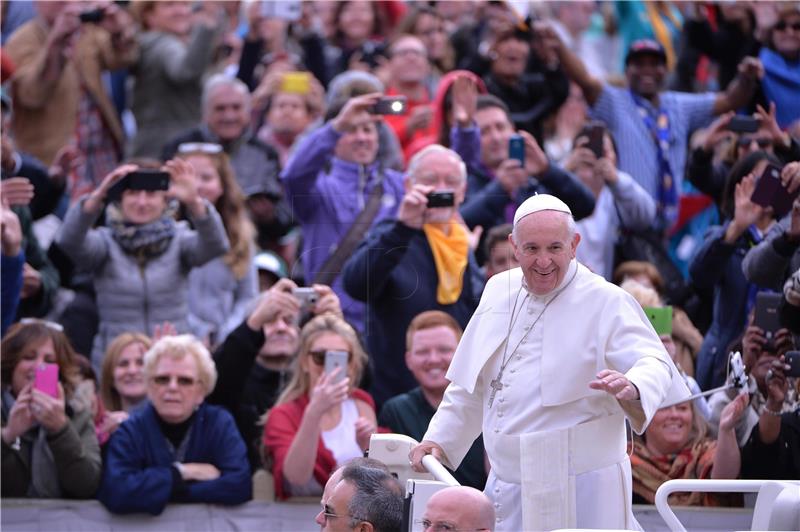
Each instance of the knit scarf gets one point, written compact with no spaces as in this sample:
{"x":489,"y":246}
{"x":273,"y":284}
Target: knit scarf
{"x":144,"y":241}
{"x":450,"y":254}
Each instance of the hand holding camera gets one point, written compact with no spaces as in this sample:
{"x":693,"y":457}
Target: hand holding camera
{"x":95,"y":201}
{"x":275,"y":301}
{"x":355,"y":106}
{"x":413,"y":206}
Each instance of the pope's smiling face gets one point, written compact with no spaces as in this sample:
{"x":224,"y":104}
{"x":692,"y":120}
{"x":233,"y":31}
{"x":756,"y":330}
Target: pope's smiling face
{"x":544,"y":246}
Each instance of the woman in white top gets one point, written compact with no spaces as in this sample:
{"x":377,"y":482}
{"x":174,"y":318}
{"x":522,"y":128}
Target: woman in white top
{"x":320,"y":420}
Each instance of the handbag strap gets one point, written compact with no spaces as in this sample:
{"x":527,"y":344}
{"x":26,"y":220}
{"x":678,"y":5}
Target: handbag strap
{"x":355,"y":234}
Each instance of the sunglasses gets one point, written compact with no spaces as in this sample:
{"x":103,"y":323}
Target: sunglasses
{"x":782,"y":25}
{"x":746,"y":141}
{"x":200,"y":147}
{"x":318,"y":357}
{"x":183,"y":382}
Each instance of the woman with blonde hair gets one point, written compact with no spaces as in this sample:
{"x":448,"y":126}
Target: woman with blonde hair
{"x":220,"y":290}
{"x":321,"y":420}
{"x":177,"y":448}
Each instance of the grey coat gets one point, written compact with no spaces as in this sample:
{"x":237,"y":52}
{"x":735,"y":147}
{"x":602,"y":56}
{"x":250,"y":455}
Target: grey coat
{"x":774,"y":259}
{"x":134,"y":299}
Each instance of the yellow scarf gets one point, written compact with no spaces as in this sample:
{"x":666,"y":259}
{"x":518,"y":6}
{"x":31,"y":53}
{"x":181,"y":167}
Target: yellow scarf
{"x":450,"y":254}
{"x":657,"y":12}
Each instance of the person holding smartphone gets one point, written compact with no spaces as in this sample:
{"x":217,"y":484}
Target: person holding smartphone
{"x":141,"y":259}
{"x":321,"y":420}
{"x":50,"y":449}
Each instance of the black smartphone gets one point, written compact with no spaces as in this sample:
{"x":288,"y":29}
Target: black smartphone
{"x":766,"y":316}
{"x":441,"y":198}
{"x":93,"y":16}
{"x":390,"y":105}
{"x":148,"y":180}
{"x":792,"y":358}
{"x":596,"y":134}
{"x":516,"y":148}
{"x":743,"y":124}
{"x":770,"y":192}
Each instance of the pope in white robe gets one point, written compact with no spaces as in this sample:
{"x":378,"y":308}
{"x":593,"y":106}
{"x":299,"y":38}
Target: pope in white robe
{"x":553,"y":361}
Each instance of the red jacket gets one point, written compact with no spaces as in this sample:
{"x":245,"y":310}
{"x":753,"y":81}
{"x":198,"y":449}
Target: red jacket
{"x":282,"y":425}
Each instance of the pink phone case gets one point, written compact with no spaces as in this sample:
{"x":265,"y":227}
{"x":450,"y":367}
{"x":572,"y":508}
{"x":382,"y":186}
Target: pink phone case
{"x":47,"y":379}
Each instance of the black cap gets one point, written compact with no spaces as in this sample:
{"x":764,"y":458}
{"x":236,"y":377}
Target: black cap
{"x":645,"y":47}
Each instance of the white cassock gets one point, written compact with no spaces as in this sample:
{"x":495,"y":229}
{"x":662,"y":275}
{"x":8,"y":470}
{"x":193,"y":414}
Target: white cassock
{"x":557,"y":448}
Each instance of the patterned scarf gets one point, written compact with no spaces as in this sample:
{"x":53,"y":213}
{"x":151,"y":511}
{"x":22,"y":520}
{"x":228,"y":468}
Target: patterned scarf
{"x":144,"y":241}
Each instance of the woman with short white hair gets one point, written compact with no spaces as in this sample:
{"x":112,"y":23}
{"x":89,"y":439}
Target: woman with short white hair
{"x":176,"y":448}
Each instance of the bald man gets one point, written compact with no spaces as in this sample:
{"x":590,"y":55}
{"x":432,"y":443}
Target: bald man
{"x":459,"y":508}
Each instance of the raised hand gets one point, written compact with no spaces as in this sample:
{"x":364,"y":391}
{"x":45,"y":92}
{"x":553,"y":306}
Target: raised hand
{"x":616,"y":384}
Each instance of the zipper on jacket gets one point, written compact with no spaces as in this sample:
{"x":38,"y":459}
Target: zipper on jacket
{"x":145,"y":301}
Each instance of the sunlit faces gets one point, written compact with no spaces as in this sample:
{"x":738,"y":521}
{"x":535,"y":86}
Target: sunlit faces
{"x":646,"y":74}
{"x":359,"y":143}
{"x":335,"y":516}
{"x":288,"y":114}
{"x":327,"y":341}
{"x":496,"y":129}
{"x":34,"y":356}
{"x":227,"y":112}
{"x":142,"y":206}
{"x":170,"y":17}
{"x":281,"y":336}
{"x":175,"y":388}
{"x":544,"y":248}
{"x":442,"y":171}
{"x":669,"y":431}
{"x":128,"y":372}
{"x":207,"y":178}
{"x":429,"y":356}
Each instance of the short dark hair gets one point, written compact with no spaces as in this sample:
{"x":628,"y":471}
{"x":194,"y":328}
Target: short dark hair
{"x":378,"y":498}
{"x":496,"y":235}
{"x":488,"y":101}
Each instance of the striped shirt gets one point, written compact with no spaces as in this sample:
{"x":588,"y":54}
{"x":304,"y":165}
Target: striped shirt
{"x":637,"y":150}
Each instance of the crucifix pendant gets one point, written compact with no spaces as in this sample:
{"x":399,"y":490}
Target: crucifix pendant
{"x":496,"y":385}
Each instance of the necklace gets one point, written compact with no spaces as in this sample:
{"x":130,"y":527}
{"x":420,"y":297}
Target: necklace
{"x":495,"y":384}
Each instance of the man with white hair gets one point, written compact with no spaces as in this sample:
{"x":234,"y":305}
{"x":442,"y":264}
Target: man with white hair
{"x":419,"y":261}
{"x":550,"y":366}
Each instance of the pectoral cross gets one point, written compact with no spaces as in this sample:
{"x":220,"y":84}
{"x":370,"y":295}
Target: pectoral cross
{"x":496,"y":385}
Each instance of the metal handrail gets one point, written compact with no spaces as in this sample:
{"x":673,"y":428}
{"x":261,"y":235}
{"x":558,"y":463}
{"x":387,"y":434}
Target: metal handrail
{"x":438,"y":470}
{"x":688,"y":485}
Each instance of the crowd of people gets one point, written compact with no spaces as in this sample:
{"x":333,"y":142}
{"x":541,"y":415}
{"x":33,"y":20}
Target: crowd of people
{"x":204,"y":204}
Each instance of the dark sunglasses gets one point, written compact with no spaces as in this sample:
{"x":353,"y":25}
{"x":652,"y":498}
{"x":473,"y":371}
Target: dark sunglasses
{"x":782,"y":25}
{"x":762,"y":142}
{"x":319,"y":357}
{"x":164,"y":380}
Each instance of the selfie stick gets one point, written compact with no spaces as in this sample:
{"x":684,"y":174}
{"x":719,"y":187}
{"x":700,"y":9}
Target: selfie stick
{"x":738,"y":380}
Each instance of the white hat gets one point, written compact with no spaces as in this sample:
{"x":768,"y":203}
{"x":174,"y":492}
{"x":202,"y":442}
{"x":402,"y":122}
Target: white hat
{"x":540,"y":202}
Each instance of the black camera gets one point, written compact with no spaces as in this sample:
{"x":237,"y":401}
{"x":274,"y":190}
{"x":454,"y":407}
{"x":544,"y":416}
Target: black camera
{"x":94,"y":16}
{"x":441,"y":199}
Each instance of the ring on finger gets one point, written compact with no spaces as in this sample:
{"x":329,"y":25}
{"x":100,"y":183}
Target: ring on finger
{"x":769,"y":375}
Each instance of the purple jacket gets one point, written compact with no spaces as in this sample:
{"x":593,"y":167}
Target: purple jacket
{"x":327,"y":194}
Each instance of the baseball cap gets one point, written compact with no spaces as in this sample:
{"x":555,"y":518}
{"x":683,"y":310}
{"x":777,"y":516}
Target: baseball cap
{"x":270,"y":262}
{"x":645,"y":47}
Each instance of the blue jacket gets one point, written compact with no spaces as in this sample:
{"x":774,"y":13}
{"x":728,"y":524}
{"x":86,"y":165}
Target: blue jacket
{"x":11,"y":275}
{"x":718,"y":266}
{"x":139,"y":475}
{"x":393,"y":270}
{"x":327,"y":194}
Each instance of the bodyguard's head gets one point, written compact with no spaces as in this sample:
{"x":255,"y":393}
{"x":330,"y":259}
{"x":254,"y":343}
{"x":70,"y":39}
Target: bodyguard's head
{"x":459,"y":508}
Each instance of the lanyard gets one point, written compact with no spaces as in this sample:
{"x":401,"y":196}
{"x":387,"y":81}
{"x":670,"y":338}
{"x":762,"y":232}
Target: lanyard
{"x":657,"y":123}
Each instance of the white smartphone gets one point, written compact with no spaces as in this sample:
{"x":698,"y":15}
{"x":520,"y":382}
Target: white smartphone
{"x":337,"y":359}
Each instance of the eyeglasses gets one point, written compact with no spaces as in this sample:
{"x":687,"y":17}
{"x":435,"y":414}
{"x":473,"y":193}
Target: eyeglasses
{"x":782,"y":25}
{"x":202,"y":147}
{"x":747,"y":140}
{"x":319,"y":357}
{"x":49,"y":324}
{"x":183,"y":382}
{"x":443,"y":527}
{"x":328,"y":513}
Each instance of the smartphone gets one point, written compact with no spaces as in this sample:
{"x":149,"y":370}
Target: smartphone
{"x":296,"y":82}
{"x":148,"y":180}
{"x":661,"y":318}
{"x":337,"y":359}
{"x":283,"y":9}
{"x":390,"y":105}
{"x":308,"y":296}
{"x":596,"y":134}
{"x":94,"y":16}
{"x":441,"y":198}
{"x":770,"y":192}
{"x":516,"y":148}
{"x":743,"y":124}
{"x":766,"y":316}
{"x":792,"y":358}
{"x":46,"y":380}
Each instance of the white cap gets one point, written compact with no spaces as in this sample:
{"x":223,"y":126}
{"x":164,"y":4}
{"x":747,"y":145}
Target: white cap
{"x":540,"y":202}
